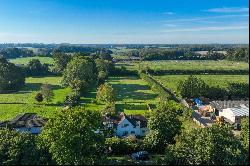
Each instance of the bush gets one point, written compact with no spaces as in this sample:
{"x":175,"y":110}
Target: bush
{"x":122,"y":146}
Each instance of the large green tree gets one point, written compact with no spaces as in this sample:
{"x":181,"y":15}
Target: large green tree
{"x":163,"y":124}
{"x":11,"y":77}
{"x":214,"y":145}
{"x":104,"y":68}
{"x":36,"y":68}
{"x":61,"y":60}
{"x":80,"y":74}
{"x":192,"y":87}
{"x":71,"y":139}
{"x":17,"y":148}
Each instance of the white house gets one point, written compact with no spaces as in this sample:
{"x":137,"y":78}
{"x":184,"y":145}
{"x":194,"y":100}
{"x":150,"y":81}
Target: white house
{"x":27,"y":122}
{"x":125,"y":125}
{"x":131,"y":125}
{"x":232,"y":110}
{"x":234,"y":115}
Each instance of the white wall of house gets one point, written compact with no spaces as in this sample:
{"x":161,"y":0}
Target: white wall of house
{"x":125,"y":128}
{"x":228,"y":113}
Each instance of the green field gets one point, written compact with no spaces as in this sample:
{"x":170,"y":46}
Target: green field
{"x":26,"y":60}
{"x":133,"y":94}
{"x":171,"y":81}
{"x":186,"y":65}
{"x":24,"y":100}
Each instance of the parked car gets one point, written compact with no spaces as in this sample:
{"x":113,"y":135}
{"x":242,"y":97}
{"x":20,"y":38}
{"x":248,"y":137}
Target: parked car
{"x":141,"y":155}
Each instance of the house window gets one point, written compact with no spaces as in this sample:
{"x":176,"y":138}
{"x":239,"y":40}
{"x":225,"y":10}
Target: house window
{"x":132,"y":132}
{"x":125,"y":125}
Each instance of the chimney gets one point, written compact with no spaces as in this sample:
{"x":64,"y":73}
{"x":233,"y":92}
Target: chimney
{"x":122,"y":114}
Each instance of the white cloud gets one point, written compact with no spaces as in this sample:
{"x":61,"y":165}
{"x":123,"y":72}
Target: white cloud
{"x":204,"y":18}
{"x":212,"y":28}
{"x":228,"y":10}
{"x":169,"y":13}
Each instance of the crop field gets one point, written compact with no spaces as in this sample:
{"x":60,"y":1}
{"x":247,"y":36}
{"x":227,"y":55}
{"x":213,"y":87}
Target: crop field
{"x":171,"y":81}
{"x":185,"y":65}
{"x":133,"y":94}
{"x":24,"y":100}
{"x":26,"y":60}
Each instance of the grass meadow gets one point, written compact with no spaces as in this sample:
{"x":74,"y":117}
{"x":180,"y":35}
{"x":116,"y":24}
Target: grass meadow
{"x":133,"y":94}
{"x":171,"y":81}
{"x":24,"y":101}
{"x":26,"y":60}
{"x":186,"y":65}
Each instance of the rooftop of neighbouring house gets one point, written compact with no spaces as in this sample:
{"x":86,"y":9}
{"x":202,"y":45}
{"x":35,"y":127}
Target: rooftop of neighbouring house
{"x":223,"y":104}
{"x":26,"y":120}
{"x":240,"y":111}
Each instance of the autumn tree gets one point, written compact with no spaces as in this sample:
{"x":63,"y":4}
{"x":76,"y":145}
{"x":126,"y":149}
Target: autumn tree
{"x":106,"y":93}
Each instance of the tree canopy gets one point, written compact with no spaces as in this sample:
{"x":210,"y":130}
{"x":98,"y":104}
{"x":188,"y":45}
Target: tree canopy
{"x":80,"y":74}
{"x":11,"y":77}
{"x":71,"y":139}
{"x":163,"y":124}
{"x":214,"y":145}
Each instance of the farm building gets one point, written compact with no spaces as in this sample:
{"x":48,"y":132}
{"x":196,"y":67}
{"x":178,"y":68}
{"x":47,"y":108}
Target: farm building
{"x":232,"y":110}
{"x":125,"y":125}
{"x":27,"y":122}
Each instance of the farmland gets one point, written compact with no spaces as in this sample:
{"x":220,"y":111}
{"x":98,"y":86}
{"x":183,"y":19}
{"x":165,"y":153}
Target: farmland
{"x":24,"y":100}
{"x":171,"y":81}
{"x":26,"y":60}
{"x":133,"y":94}
{"x":187,"y":65}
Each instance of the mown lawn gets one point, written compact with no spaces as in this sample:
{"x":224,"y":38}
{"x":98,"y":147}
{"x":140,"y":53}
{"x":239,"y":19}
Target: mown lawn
{"x":133,"y":94}
{"x":171,"y":81}
{"x":26,"y":60}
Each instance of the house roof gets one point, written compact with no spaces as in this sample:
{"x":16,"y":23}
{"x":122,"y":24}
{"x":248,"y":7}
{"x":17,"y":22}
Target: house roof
{"x":133,"y":119}
{"x":27,"y":120}
{"x":240,"y":111}
{"x":223,"y":104}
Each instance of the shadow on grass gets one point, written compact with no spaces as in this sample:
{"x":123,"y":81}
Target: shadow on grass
{"x":37,"y":86}
{"x":121,"y":107}
{"x":129,"y":91}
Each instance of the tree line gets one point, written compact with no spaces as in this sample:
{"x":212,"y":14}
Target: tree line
{"x":194,"y":87}
{"x":235,"y":54}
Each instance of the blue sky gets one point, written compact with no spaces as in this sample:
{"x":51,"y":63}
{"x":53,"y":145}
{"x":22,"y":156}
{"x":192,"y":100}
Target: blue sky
{"x":124,"y":21}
